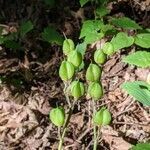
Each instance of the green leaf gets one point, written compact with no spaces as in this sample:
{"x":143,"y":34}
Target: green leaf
{"x":140,"y":92}
{"x":9,"y":37}
{"x":102,"y":11}
{"x":81,"y":66}
{"x":2,"y":39}
{"x":93,"y":38}
{"x":12,"y":37}
{"x":106,"y":28}
{"x":25,"y":28}
{"x":52,"y":36}
{"x":83,"y":2}
{"x":122,"y":40}
{"x":143,"y":84}
{"x":139,"y":58}
{"x":90,"y":26}
{"x":141,"y":146}
{"x":125,"y":23}
{"x":12,"y":44}
{"x":91,"y":31}
{"x":143,"y":40}
{"x":81,"y":48}
{"x":148,"y":29}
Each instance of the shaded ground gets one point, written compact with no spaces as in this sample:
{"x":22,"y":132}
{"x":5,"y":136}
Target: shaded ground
{"x":24,"y":106}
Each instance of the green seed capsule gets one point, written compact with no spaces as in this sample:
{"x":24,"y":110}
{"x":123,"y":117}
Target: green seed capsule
{"x":95,"y":90}
{"x":77,"y":89}
{"x":100,"y":57}
{"x":75,"y":58}
{"x":66,"y":70}
{"x":108,"y":48}
{"x":68,"y":46}
{"x":57,"y":116}
{"x":93,"y":73}
{"x":102,"y":117}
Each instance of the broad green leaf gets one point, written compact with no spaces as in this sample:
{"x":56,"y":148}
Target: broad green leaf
{"x":90,"y":26}
{"x":101,"y":11}
{"x":141,"y":146}
{"x":81,"y":48}
{"x":122,"y":40}
{"x":139,"y":58}
{"x":148,"y":29}
{"x":83,"y":2}
{"x":106,"y":28}
{"x":143,"y":40}
{"x":93,"y":37}
{"x":125,"y":23}
{"x":143,"y":84}
{"x":140,"y":92}
{"x":25,"y":28}
{"x":52,"y":36}
{"x":91,"y":31}
{"x":12,"y":44}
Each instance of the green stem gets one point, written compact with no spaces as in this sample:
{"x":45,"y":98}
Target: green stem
{"x":94,"y":128}
{"x":95,"y":138}
{"x":61,"y":139}
{"x":60,"y":144}
{"x":66,"y":94}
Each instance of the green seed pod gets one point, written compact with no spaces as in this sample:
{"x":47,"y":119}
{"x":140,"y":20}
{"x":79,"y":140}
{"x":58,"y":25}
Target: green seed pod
{"x":66,"y":70}
{"x":93,"y":73}
{"x":108,"y":48}
{"x":95,"y":90}
{"x":77,"y":89}
{"x":68,"y":46}
{"x":102,"y":117}
{"x":75,"y":58}
{"x":100,"y":57}
{"x":57,"y":116}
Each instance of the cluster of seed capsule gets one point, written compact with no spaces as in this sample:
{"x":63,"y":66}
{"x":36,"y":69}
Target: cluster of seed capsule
{"x":95,"y":89}
{"x":67,"y":71}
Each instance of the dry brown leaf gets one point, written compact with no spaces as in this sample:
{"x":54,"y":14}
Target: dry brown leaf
{"x":115,"y":142}
{"x":142,"y":73}
{"x":78,"y":119}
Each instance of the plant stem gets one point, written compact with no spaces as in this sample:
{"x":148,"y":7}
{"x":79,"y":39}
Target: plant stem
{"x":61,"y":140}
{"x":66,"y":94}
{"x":60,"y":144}
{"x":71,"y":107}
{"x":94,"y":128}
{"x":95,"y":138}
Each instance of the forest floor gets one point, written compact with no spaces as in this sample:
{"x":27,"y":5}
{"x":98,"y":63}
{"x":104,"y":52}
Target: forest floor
{"x":25,"y":104}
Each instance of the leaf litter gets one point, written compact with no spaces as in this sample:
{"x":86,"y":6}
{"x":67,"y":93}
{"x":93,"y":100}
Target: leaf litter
{"x":25,"y":124}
